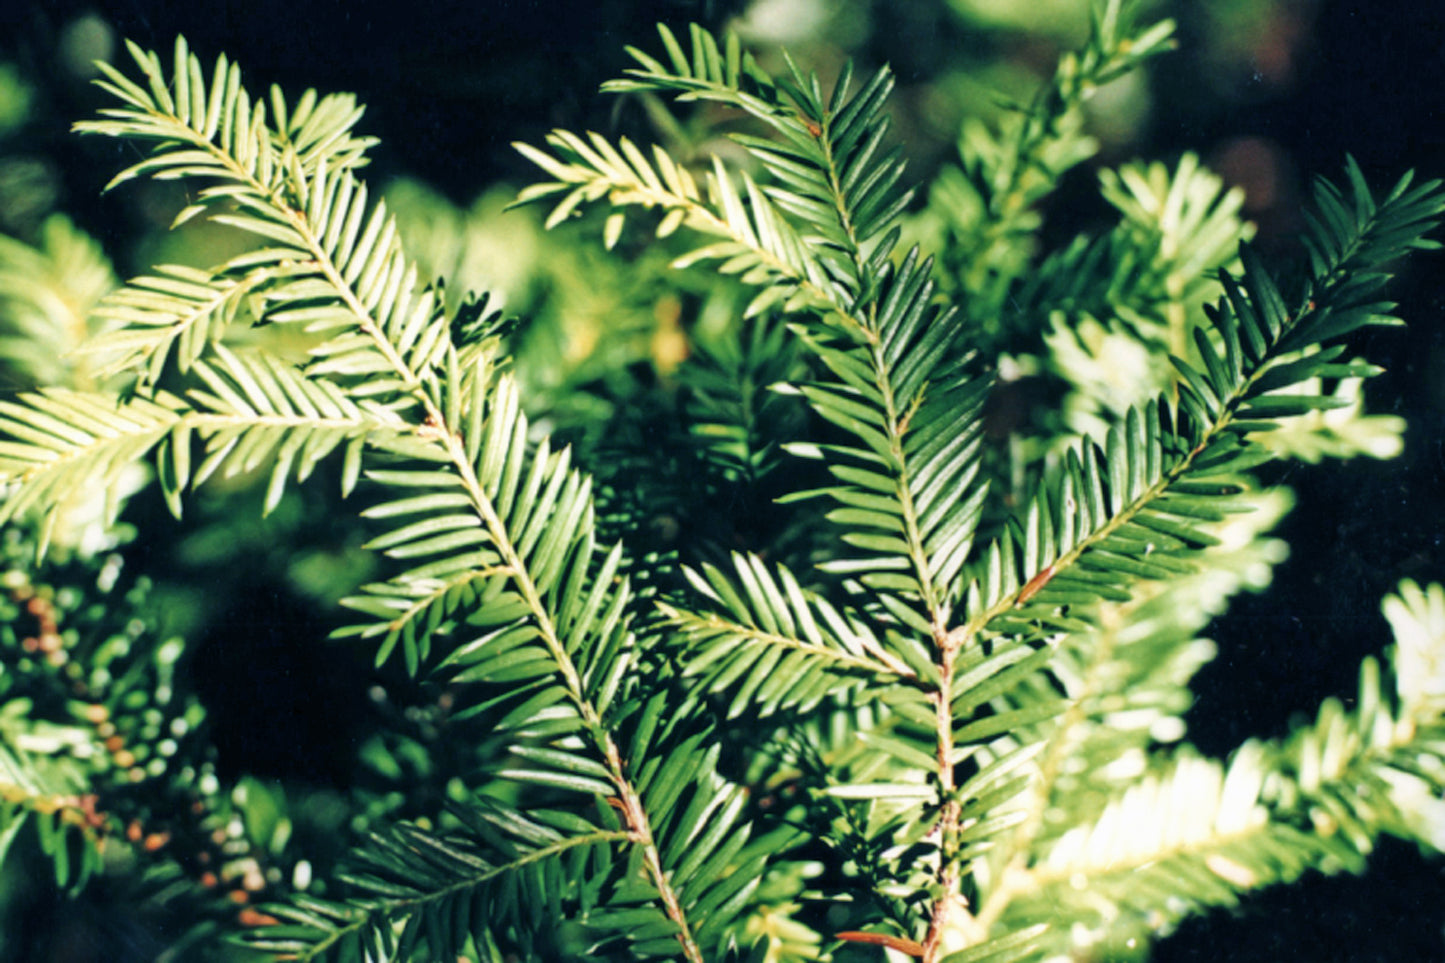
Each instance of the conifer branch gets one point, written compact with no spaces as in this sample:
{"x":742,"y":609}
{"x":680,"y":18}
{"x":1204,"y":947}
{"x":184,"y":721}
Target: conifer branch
{"x":309,"y":928}
{"x":398,"y":358}
{"x":1132,"y":512}
{"x":971,"y":736}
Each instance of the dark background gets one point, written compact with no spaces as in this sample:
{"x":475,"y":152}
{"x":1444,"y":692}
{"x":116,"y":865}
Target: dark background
{"x":449,"y":85}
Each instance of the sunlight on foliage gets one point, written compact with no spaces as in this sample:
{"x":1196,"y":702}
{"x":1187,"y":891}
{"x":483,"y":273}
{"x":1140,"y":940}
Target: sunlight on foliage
{"x":707,"y":617}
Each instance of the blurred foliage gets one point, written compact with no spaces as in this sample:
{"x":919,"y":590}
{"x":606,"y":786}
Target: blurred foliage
{"x":617,"y":354}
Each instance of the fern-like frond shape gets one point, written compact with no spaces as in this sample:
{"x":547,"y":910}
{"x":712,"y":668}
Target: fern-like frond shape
{"x":712,"y":858}
{"x":60,"y":445}
{"x":415,"y":889}
{"x":256,"y":411}
{"x":831,"y":169}
{"x":1137,"y":508}
{"x":824,"y":219}
{"x":1197,"y":830}
{"x":330,"y":257}
{"x":756,"y":242}
{"x":773,"y":645}
{"x":1203,"y":834}
{"x":494,"y":528}
{"x":907,"y":492}
{"x":1145,"y":509}
{"x":818,"y":241}
{"x":64,"y":444}
{"x":171,"y":316}
{"x":185,"y":109}
{"x":975,"y":687}
{"x":1127,"y":681}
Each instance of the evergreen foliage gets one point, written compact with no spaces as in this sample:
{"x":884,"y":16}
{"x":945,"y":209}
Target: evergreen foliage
{"x":937,"y":708}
